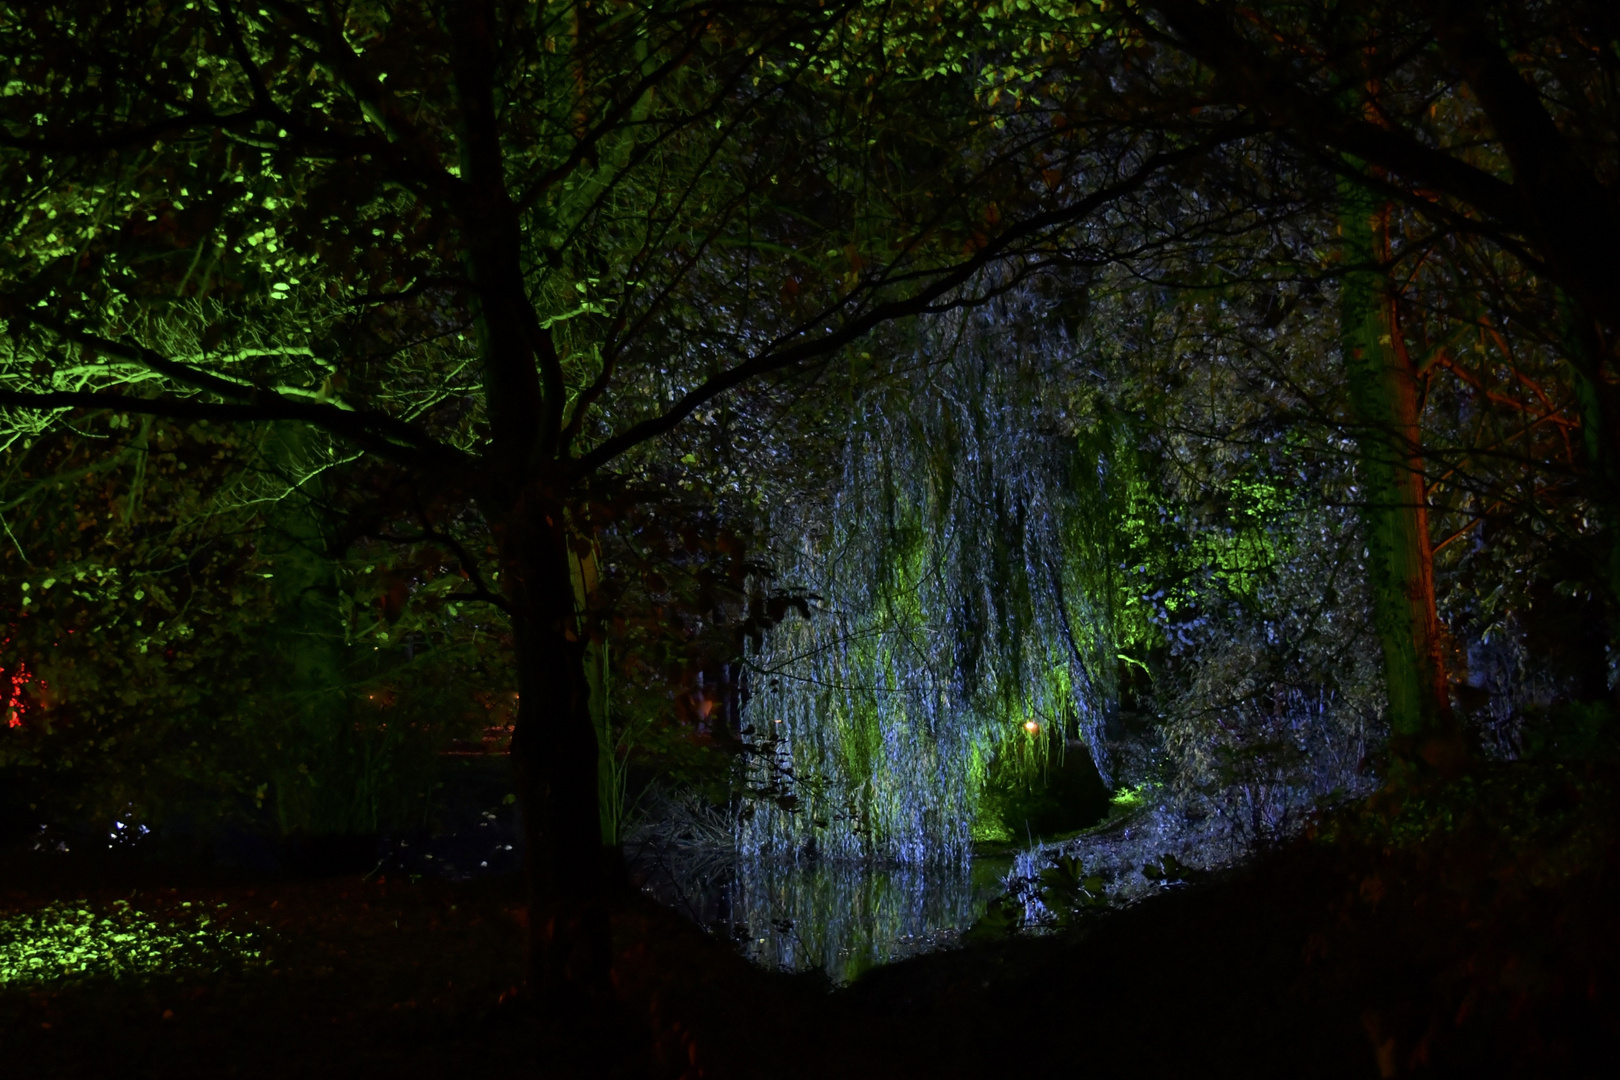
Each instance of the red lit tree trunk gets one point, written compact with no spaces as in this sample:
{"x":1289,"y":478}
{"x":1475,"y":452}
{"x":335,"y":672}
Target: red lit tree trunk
{"x":1385,"y":396}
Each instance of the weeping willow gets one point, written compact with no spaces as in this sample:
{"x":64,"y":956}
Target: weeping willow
{"x":966,"y":609}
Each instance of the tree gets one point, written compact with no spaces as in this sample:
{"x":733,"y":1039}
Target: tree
{"x":501,"y":250}
{"x":1491,"y":123}
{"x":116,"y":586}
{"x":196,"y":659}
{"x":1385,"y":392}
{"x":1493,"y":120}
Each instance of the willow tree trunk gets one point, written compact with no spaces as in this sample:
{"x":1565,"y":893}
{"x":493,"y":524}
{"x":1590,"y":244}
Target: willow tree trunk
{"x":1385,"y":395}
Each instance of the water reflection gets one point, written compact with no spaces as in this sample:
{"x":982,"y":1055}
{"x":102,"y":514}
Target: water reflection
{"x":840,"y":917}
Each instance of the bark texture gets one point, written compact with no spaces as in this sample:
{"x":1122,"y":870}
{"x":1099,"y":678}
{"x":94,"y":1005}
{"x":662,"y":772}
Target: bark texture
{"x":555,"y":754}
{"x":526,"y":498}
{"x":1386,"y":395}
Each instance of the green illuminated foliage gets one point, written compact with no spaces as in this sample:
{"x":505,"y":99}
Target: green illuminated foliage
{"x":493,"y":256}
{"x":1127,"y":799}
{"x":135,"y":662}
{"x":72,"y":942}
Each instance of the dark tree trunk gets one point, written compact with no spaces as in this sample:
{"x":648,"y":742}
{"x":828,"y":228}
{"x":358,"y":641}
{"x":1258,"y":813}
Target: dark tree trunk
{"x":554,"y":747}
{"x":305,"y":646}
{"x":1573,"y":220}
{"x":555,"y":753}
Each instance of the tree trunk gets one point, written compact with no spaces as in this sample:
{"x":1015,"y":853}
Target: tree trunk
{"x":555,"y":755}
{"x":554,"y":746}
{"x":1572,"y":218}
{"x":1385,"y":396}
{"x":314,"y":789}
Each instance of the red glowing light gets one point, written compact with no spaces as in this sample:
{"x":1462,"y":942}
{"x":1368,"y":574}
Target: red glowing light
{"x":12,"y":701}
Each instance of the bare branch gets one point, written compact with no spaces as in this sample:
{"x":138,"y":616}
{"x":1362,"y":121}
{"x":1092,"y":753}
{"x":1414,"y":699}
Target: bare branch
{"x":352,"y":426}
{"x":786,"y":355}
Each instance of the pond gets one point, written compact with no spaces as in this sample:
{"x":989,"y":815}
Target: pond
{"x":839,"y":917}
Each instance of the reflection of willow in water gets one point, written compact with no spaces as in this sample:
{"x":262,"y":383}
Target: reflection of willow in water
{"x":841,"y":918}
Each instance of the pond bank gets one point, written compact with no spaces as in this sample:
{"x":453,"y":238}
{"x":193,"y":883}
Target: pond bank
{"x":1461,"y":947}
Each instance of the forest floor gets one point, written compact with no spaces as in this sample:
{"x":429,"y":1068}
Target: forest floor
{"x":1474,"y":932}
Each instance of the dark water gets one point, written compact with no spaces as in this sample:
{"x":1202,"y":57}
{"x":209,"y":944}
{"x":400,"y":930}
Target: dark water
{"x":472,"y":833}
{"x":841,"y":918}
{"x":475,"y":832}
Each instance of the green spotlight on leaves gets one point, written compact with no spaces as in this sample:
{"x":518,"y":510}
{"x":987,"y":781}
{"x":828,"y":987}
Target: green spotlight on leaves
{"x":65,"y":941}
